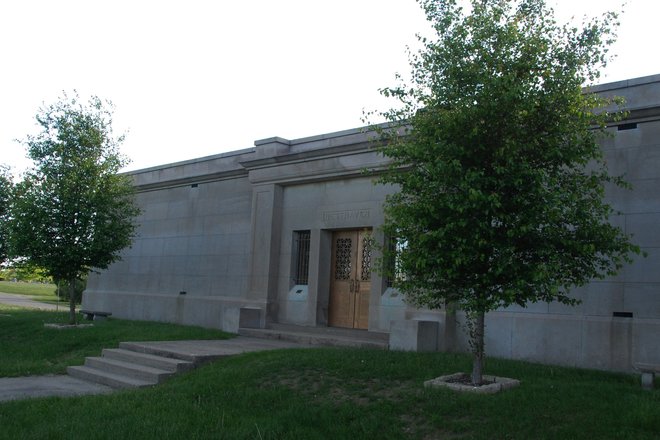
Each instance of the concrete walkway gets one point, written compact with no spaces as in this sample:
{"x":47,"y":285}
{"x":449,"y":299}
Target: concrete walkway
{"x":14,"y":388}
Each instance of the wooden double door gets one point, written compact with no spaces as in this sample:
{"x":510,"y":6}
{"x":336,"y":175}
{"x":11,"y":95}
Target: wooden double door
{"x":350,"y":285}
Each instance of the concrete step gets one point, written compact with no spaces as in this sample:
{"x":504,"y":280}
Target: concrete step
{"x":196,"y":352}
{"x":149,"y":360}
{"x":138,"y":364}
{"x":333,"y":331}
{"x":106,"y":378}
{"x":134,"y":371}
{"x":321,"y":336}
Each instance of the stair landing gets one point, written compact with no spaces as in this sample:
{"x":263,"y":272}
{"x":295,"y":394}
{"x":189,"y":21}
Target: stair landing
{"x":328,"y":336}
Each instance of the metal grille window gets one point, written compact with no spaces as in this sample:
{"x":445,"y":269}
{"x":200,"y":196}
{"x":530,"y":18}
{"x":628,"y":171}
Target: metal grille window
{"x":301,"y":256}
{"x":394,"y":271}
{"x":366,"y":258}
{"x":343,"y":258}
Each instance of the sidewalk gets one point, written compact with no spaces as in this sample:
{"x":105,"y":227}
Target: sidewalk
{"x":15,"y":388}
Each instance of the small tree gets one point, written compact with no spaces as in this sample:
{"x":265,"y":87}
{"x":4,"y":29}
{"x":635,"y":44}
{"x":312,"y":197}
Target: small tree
{"x":500,"y":174}
{"x":6,"y":186}
{"x":73,"y":211}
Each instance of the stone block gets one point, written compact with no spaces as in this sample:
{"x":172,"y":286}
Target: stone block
{"x":298,"y":293}
{"x":644,"y":162}
{"x":648,"y":372}
{"x":411,"y":335}
{"x":642,"y":299}
{"x":302,"y":196}
{"x":392,"y":298}
{"x":231,"y":319}
{"x":621,"y":344}
{"x":644,"y":196}
{"x":647,"y":381}
{"x":497,"y":337}
{"x":602,"y":298}
{"x":644,"y":228}
{"x":546,"y":338}
{"x":597,"y":337}
{"x":530,"y":307}
{"x":252,"y":317}
{"x":645,"y":336}
{"x":176,"y":246}
{"x":644,"y":270}
{"x":391,"y":308}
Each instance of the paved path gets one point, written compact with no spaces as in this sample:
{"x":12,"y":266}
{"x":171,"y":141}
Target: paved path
{"x":27,"y":301}
{"x":14,"y":388}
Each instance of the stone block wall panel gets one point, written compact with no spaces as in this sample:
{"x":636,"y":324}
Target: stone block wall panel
{"x":220,"y":229}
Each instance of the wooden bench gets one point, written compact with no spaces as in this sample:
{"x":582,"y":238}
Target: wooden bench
{"x":648,"y":372}
{"x":94,"y":315}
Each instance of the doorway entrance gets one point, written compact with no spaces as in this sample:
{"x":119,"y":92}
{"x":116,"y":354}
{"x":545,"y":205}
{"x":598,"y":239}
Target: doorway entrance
{"x":350,"y":284}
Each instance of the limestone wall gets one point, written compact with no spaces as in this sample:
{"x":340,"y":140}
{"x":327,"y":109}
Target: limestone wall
{"x":216,"y":235}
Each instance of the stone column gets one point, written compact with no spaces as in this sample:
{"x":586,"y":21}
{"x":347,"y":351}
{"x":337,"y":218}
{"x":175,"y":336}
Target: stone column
{"x":265,"y":245}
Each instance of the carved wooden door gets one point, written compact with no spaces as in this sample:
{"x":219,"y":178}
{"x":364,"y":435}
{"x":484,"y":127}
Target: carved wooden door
{"x":350,"y":285}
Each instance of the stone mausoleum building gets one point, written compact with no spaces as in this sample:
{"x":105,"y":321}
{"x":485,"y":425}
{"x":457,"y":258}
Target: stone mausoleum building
{"x":279,"y":233}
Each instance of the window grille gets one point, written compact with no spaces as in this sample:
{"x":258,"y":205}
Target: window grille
{"x":343,"y":255}
{"x":301,"y":254}
{"x":366,"y":258}
{"x":394,"y":271}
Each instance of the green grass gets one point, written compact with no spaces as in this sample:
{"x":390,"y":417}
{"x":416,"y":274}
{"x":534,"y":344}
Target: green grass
{"x":40,"y":292}
{"x":326,"y":393}
{"x":27,"y":347}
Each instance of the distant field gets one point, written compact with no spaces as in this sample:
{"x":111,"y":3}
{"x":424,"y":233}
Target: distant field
{"x":44,"y":292}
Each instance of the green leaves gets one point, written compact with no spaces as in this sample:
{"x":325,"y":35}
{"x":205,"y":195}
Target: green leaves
{"x":73,"y":212}
{"x":500,"y":174}
{"x":6,"y":188}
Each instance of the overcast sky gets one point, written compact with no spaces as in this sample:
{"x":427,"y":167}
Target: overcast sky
{"x":194,"y":78}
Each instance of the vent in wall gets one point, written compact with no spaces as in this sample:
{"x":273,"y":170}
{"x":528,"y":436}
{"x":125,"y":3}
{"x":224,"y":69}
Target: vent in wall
{"x":630,"y":126}
{"x":622,"y":314}
{"x":194,"y":185}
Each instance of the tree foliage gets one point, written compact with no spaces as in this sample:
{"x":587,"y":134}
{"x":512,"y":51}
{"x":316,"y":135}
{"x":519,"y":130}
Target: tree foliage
{"x":6,"y":186}
{"x":500,"y":173}
{"x":73,"y":212}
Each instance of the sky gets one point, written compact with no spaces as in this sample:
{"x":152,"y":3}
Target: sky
{"x":200,"y":77}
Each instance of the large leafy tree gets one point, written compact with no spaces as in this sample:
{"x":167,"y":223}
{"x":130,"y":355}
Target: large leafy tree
{"x":73,"y":212}
{"x":500,"y":174}
{"x":6,"y":186}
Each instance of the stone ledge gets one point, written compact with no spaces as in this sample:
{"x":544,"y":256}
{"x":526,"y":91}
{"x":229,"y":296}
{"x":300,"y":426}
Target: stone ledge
{"x":497,"y":384}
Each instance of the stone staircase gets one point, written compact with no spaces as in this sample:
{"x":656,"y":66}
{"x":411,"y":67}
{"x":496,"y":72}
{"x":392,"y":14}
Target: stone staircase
{"x":142,"y":364}
{"x":132,"y":365}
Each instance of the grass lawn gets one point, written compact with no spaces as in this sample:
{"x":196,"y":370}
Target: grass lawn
{"x":29,"y":348}
{"x":39,"y":292}
{"x":332,"y":393}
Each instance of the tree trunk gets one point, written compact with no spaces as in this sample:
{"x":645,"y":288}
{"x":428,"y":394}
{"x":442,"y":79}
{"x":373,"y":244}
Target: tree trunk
{"x":72,"y":301}
{"x":477,"y":337}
